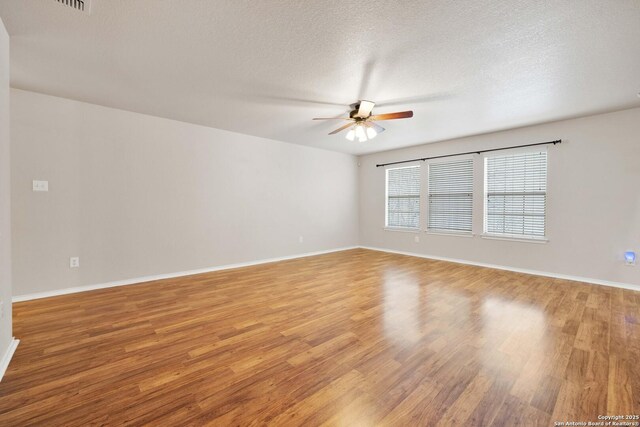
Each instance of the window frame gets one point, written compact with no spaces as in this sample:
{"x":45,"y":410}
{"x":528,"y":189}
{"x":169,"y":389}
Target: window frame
{"x":507,"y":236}
{"x":386,"y":199}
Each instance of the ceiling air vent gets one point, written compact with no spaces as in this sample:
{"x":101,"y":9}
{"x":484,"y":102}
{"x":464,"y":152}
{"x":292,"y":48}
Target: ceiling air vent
{"x":79,"y":5}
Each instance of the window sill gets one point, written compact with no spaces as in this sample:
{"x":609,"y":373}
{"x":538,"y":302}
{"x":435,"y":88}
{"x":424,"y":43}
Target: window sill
{"x":450,"y":233}
{"x":538,"y":240}
{"x":402,"y":230}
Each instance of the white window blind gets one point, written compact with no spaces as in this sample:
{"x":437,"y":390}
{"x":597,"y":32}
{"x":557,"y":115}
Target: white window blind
{"x":516,"y":194}
{"x":451,"y":196}
{"x":403,"y":197}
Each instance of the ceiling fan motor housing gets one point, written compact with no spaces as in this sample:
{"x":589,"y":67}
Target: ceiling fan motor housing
{"x":356,"y":108}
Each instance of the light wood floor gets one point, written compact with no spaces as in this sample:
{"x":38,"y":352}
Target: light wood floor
{"x":351,"y":338}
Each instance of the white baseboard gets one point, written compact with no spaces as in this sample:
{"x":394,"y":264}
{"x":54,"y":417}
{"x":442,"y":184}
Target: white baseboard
{"x":133,"y":281}
{"x":514,"y":269}
{"x":6,"y":358}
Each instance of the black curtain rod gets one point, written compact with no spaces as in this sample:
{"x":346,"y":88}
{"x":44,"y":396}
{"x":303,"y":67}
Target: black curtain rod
{"x":557,"y":141}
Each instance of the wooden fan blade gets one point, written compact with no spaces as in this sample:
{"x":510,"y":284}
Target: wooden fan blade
{"x":333,"y":118}
{"x":376,"y":126}
{"x":391,"y":116}
{"x":365,"y":108}
{"x":341,"y":128}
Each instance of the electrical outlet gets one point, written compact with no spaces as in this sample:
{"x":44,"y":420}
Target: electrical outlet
{"x":40,"y":185}
{"x":74,"y":262}
{"x":416,"y":239}
{"x":300,"y":239}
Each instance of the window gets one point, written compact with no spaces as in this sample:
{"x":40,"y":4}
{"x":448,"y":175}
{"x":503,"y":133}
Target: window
{"x":403,"y":197}
{"x":451,"y":196}
{"x":516,"y":195}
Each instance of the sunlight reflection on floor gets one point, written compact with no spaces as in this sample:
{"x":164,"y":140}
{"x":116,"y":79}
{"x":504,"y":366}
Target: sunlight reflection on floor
{"x":512,"y":332}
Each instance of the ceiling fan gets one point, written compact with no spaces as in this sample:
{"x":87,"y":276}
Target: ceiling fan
{"x":362,"y":124}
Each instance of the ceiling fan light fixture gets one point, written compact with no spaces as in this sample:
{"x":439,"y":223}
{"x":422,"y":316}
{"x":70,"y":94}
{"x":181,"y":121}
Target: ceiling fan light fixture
{"x":360,"y":133}
{"x":351,"y":135}
{"x":371,"y":133}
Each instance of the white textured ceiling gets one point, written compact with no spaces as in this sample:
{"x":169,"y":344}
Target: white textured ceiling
{"x":267,"y":67}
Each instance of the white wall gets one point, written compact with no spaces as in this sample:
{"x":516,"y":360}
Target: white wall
{"x":5,"y":198}
{"x":134,"y":195}
{"x":593,"y":200}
